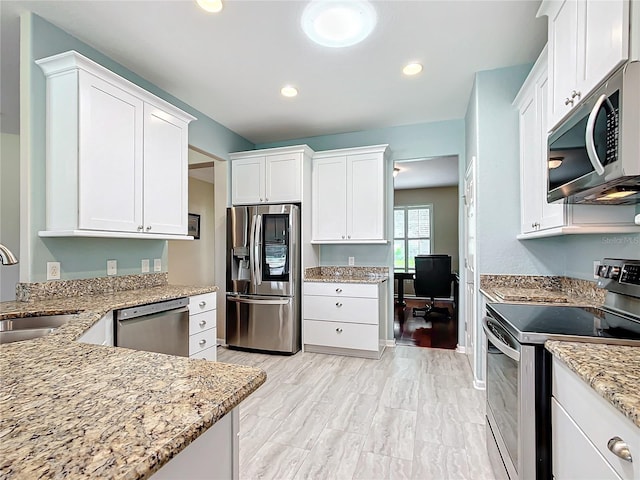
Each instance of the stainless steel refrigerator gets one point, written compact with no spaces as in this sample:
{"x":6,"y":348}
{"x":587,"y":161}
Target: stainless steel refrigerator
{"x":263,"y":278}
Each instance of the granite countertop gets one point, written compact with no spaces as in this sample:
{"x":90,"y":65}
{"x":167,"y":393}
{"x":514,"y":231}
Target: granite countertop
{"x":367,"y":275}
{"x":75,"y":410}
{"x":613,"y":371}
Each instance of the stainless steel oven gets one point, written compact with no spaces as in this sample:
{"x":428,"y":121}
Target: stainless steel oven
{"x":519,"y":367}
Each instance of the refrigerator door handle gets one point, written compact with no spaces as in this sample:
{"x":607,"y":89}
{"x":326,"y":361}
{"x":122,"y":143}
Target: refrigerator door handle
{"x":258,"y":246}
{"x":252,"y":239}
{"x":280,"y":301}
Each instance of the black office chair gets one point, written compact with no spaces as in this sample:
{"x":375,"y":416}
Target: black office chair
{"x":432,"y":279}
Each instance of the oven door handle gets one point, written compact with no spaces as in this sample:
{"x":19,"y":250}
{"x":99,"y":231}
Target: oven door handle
{"x":499,"y":344}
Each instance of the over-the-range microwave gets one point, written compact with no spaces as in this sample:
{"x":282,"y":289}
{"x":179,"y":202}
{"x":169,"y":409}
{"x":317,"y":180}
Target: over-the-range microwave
{"x":594,"y":155}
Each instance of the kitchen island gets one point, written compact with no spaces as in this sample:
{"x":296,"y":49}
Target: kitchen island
{"x":75,"y":410}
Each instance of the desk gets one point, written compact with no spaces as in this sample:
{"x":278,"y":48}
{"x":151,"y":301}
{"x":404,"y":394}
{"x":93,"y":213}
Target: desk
{"x":402,"y":276}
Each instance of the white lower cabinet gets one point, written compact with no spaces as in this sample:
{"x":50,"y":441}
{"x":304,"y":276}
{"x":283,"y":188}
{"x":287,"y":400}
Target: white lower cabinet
{"x":345,"y":318}
{"x":583,"y":425}
{"x":214,"y":454}
{"x":202,"y":326}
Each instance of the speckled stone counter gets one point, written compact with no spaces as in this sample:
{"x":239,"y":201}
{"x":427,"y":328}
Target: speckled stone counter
{"x":347,"y":274}
{"x":73,"y":410}
{"x":611,"y":370}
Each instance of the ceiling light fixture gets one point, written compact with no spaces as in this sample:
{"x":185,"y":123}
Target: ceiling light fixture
{"x":555,"y":162}
{"x":413,"y":68}
{"x":337,"y":23}
{"x":211,"y":6}
{"x":289,"y":91}
{"x":396,"y":171}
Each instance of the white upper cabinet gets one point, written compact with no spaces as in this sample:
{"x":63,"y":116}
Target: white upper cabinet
{"x":349,"y":195}
{"x":588,"y":39}
{"x":268,"y":176}
{"x":116,"y":155}
{"x":538,"y":218}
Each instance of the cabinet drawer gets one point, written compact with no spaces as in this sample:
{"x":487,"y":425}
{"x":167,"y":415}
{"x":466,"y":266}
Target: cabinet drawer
{"x":202,"y":321}
{"x":574,"y":456}
{"x":202,"y":303}
{"x":341,"y":335}
{"x":201,"y":341}
{"x":206,"y":354}
{"x":341,"y":309}
{"x":580,"y":402}
{"x":341,"y":289}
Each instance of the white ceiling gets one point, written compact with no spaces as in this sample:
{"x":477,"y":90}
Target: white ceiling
{"x":426,"y":173}
{"x":231,"y":65}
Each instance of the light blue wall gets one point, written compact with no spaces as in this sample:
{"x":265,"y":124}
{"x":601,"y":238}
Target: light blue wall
{"x":410,"y":141}
{"x":79,"y":257}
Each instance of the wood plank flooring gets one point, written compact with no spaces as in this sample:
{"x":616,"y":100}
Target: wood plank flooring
{"x":413,"y":414}
{"x":433,"y":331}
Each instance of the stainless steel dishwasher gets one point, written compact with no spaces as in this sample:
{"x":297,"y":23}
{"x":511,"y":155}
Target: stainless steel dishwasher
{"x":161,"y":327}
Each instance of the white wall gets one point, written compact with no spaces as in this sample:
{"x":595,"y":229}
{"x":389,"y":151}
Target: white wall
{"x":9,"y":211}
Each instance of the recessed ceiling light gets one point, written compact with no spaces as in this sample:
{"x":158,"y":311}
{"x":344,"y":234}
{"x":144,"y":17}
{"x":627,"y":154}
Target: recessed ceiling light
{"x":336,"y":23}
{"x":412,"y":69}
{"x":212,"y":6}
{"x":289,"y":91}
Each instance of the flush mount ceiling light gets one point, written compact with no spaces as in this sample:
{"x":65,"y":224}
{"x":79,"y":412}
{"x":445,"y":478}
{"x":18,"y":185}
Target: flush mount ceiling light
{"x":413,"y":68}
{"x":337,"y":23}
{"x":289,"y":91}
{"x":555,"y":162}
{"x":211,"y":6}
{"x":396,"y":171}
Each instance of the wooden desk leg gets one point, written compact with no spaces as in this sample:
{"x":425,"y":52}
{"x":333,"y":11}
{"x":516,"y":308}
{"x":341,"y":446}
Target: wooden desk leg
{"x":400,"y":300}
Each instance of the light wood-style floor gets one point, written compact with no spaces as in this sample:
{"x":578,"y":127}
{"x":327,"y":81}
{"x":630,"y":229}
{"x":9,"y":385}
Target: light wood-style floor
{"x":412,"y":414}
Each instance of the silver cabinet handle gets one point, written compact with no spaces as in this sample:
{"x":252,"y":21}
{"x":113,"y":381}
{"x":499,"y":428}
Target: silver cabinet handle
{"x":568,"y":101}
{"x":148,"y":228}
{"x":338,"y":304}
{"x":338,"y":290}
{"x":575,"y":94}
{"x":202,"y":342}
{"x":261,"y":200}
{"x":202,"y":323}
{"x":348,"y":236}
{"x":620,"y":448}
{"x":266,"y":199}
{"x":140,"y":227}
{"x":202,"y":304}
{"x":338,"y":330}
{"x":343,"y":237}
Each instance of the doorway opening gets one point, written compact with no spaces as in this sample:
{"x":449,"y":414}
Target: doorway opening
{"x":426,"y":204}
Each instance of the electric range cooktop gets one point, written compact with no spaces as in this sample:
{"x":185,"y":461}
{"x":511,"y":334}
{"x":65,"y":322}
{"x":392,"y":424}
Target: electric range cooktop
{"x":534,"y":324}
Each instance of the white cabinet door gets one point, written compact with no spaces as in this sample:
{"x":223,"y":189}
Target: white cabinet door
{"x":110,"y":156}
{"x":530,"y":181}
{"x":365,"y":197}
{"x":283,"y":174}
{"x":563,"y":54}
{"x":248,"y":181}
{"x":165,"y":172}
{"x":329,"y":198}
{"x":606,"y":40}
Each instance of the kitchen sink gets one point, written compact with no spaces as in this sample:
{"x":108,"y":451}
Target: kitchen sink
{"x":26,"y":328}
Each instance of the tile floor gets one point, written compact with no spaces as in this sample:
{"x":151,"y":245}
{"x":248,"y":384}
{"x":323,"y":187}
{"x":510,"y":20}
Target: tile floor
{"x":412,"y":414}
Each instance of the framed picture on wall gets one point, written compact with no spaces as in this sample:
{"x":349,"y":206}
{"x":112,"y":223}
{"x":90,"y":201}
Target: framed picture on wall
{"x":193,"y":226}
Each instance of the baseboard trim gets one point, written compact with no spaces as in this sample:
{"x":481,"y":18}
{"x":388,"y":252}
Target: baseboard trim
{"x":461,"y":349}
{"x":391,"y":343}
{"x":479,"y":385}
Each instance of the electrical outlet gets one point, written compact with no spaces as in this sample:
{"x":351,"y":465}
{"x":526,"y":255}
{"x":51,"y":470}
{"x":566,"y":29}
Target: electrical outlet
{"x":157,"y":264}
{"x":352,"y":261}
{"x":145,"y":265}
{"x":112,"y":267}
{"x":53,"y":270}
{"x":596,"y":265}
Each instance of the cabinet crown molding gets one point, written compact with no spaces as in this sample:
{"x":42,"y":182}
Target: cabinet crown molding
{"x":384,"y":148}
{"x":72,"y":60}
{"x":304,"y":149}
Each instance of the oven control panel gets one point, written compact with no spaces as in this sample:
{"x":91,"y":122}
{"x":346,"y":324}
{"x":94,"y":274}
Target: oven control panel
{"x":626,"y":272}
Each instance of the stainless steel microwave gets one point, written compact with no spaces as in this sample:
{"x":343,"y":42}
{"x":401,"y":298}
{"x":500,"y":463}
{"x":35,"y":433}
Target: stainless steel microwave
{"x":593,"y":157}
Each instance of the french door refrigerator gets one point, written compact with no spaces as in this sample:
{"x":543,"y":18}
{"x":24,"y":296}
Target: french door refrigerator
{"x":263,"y":278}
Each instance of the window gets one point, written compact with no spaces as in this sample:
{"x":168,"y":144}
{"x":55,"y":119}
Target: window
{"x":412,"y":234}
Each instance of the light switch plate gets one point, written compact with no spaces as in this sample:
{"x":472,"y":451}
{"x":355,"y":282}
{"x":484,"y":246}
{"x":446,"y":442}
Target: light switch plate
{"x":157,"y":264}
{"x":352,"y":261}
{"x":112,"y":267}
{"x":145,"y":265}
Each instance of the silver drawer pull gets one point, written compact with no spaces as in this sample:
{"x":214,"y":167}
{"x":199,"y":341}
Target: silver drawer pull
{"x":619,"y":448}
{"x":202,"y":342}
{"x":203,"y":304}
{"x":339,"y":330}
{"x":338,"y":290}
{"x":338,"y":304}
{"x":202,"y":323}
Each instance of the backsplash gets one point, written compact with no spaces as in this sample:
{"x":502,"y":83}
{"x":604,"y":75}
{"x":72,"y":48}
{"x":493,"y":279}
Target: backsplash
{"x":30,"y":292}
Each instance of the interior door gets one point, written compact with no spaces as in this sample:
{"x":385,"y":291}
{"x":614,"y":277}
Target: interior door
{"x":470,"y":317}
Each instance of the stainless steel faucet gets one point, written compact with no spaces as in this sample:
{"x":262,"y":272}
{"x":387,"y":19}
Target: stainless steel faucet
{"x":6,"y":257}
